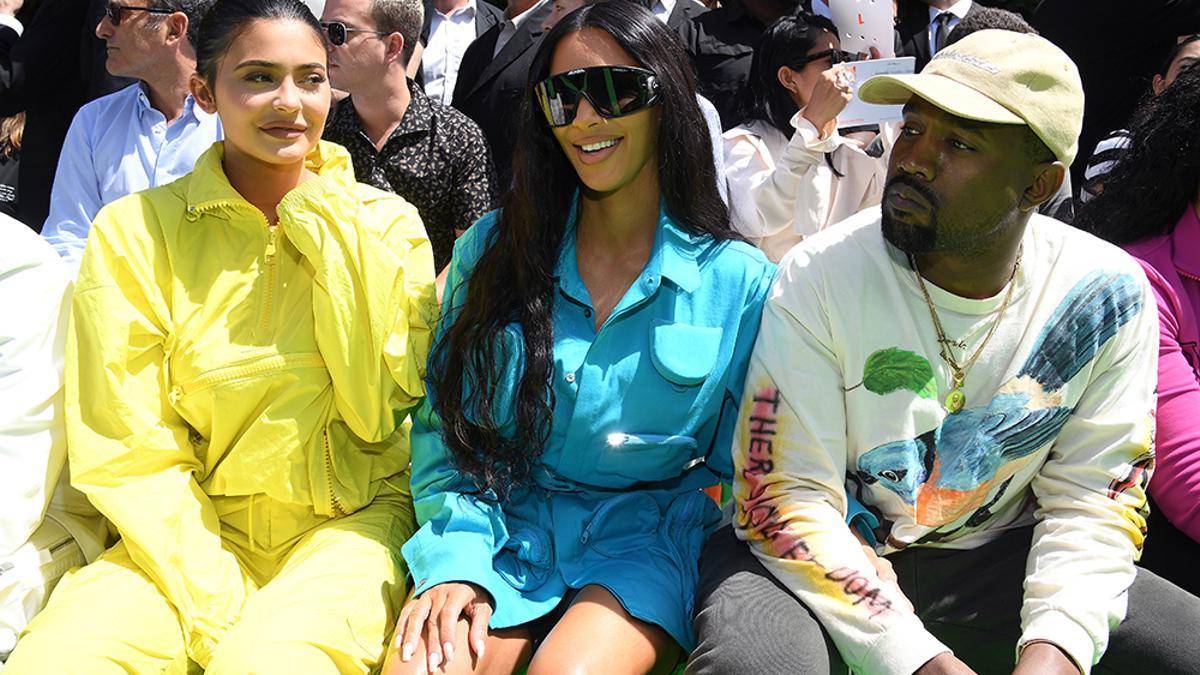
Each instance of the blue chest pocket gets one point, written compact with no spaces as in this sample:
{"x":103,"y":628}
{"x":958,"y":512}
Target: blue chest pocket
{"x":684,"y":354}
{"x":656,"y":445}
{"x":629,"y":459}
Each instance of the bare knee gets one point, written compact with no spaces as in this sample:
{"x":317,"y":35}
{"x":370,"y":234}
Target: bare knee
{"x":597,"y":635}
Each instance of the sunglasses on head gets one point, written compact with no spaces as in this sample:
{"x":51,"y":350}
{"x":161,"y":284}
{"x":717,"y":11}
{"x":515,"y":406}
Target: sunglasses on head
{"x":835,"y":56}
{"x":338,"y":32}
{"x":613,"y":91}
{"x":114,"y":11}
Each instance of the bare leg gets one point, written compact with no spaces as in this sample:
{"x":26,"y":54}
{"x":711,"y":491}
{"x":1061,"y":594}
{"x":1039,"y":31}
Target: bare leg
{"x":597,"y":635}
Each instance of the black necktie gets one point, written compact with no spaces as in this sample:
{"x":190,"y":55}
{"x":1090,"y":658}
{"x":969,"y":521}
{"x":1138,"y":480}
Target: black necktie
{"x":943,"y":31}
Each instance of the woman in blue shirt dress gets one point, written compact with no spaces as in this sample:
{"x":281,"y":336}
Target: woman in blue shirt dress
{"x":584,"y":386}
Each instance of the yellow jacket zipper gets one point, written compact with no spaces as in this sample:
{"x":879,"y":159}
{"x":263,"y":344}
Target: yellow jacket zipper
{"x":228,"y":374}
{"x":264,"y":323}
{"x":335,"y":504}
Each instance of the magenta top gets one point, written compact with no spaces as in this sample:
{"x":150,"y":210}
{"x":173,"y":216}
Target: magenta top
{"x":1172,"y":262}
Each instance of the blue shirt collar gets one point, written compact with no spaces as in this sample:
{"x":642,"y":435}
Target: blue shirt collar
{"x":190,"y":109}
{"x":673,"y":257}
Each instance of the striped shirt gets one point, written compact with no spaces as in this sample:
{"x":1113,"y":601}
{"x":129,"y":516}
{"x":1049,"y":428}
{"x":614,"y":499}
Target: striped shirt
{"x":1106,"y":155}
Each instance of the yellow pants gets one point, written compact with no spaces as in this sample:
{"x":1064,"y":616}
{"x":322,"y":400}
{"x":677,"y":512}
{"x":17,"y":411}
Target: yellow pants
{"x":328,"y":595}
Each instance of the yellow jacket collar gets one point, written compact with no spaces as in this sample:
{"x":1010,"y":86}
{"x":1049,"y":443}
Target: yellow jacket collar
{"x":208,"y":186}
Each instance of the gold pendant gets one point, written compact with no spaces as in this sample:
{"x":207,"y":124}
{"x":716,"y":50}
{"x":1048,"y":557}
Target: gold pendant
{"x":955,"y":400}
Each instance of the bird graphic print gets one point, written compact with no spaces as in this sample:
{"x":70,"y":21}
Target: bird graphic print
{"x":950,"y":471}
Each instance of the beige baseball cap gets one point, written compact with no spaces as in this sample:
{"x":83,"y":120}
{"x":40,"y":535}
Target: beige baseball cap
{"x":1002,"y":77}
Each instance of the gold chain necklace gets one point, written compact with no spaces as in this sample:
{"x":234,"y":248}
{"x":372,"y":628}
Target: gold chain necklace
{"x":956,"y":399}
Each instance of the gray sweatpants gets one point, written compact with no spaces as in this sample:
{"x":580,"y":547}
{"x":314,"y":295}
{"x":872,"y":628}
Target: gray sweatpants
{"x":750,"y":624}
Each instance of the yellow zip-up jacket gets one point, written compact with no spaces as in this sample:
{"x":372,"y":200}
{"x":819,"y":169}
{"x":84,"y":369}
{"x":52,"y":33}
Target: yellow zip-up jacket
{"x":210,"y":353}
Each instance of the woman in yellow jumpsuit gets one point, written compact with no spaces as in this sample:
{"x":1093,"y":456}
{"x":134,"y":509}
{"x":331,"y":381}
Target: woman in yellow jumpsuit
{"x":245,"y":345}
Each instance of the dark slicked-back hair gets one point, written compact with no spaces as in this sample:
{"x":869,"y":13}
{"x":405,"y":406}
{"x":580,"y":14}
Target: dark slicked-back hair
{"x":785,"y":43}
{"x":1146,"y":193}
{"x":514,"y":280}
{"x":1166,"y":66}
{"x":228,"y":18}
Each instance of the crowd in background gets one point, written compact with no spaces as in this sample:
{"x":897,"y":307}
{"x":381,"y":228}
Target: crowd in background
{"x":443,"y":169}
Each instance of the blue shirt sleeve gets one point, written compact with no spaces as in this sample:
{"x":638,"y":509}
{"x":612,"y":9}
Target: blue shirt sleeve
{"x":460,"y":530}
{"x":75,"y":196}
{"x":759,"y":284}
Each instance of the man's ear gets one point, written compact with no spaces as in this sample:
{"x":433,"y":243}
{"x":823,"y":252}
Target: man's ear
{"x":1047,"y":180}
{"x":177,"y":27}
{"x":202,"y":93}
{"x":394,"y":43}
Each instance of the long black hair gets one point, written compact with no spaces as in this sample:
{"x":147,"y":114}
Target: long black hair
{"x":514,"y":280}
{"x":785,"y":43}
{"x":1158,"y":176}
{"x":226,"y":20}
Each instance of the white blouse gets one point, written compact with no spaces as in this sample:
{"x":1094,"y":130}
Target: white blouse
{"x":782,"y":190}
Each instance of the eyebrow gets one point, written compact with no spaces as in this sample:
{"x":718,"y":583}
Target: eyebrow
{"x":258,"y":63}
{"x":974,"y":127}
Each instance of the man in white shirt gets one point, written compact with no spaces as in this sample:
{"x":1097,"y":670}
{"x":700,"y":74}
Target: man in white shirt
{"x":450,"y":27}
{"x":971,"y":386}
{"x":143,"y":136}
{"x":47,"y":527}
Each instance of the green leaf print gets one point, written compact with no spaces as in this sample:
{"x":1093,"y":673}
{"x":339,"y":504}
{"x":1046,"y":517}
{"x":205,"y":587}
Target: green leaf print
{"x":893,"y":369}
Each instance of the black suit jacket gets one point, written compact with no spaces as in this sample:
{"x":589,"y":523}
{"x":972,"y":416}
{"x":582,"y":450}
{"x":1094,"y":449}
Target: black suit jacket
{"x":684,"y":11}
{"x":55,"y":67}
{"x":490,"y":90}
{"x":912,"y":30}
{"x":486,"y":16}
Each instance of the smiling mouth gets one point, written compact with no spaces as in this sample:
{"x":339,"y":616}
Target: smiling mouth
{"x":599,"y":145}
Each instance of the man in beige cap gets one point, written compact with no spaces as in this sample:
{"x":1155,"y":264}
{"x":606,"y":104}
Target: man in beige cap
{"x":947,"y":428}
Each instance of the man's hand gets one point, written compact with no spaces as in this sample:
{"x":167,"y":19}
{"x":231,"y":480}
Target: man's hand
{"x":945,"y":663}
{"x":434,"y":616}
{"x":1044,"y":658}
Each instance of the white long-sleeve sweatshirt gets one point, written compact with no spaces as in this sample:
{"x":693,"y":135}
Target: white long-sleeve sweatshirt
{"x":845,"y":395}
{"x":35,"y":300}
{"x":781,"y":189}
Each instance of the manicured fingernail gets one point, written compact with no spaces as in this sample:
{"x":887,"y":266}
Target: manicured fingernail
{"x":435,"y":659}
{"x":407,"y":652}
{"x":479,"y":648}
{"x":448,"y":647}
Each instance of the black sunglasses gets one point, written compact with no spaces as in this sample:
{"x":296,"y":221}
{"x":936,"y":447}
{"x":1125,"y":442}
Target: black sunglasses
{"x":114,"y":11}
{"x":835,"y":56}
{"x":338,"y":32}
{"x":613,"y":91}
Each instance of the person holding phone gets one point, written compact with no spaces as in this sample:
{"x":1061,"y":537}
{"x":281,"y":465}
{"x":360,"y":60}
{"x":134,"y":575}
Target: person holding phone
{"x":790,"y":172}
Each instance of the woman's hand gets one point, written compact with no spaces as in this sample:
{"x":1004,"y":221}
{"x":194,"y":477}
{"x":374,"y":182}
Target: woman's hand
{"x":830,"y":96}
{"x":883,"y":568}
{"x":435,"y":616}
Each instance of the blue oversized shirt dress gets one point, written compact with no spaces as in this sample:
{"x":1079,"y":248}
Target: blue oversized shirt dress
{"x":643,"y":421}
